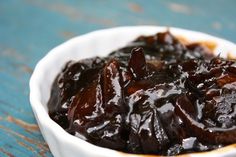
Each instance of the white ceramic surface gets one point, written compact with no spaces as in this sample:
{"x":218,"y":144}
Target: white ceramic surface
{"x":98,"y":43}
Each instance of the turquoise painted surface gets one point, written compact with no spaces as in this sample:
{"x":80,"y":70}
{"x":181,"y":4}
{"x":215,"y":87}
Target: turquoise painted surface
{"x":29,"y":29}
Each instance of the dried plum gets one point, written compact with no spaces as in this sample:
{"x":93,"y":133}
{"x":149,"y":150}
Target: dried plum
{"x":154,"y":96}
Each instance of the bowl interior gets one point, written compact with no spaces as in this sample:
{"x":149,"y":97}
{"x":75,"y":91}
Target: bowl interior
{"x":98,"y":43}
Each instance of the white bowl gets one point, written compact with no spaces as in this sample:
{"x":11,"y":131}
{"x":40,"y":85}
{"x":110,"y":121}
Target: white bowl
{"x":98,"y":43}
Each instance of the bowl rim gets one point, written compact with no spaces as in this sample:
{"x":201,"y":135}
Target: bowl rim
{"x":46,"y":123}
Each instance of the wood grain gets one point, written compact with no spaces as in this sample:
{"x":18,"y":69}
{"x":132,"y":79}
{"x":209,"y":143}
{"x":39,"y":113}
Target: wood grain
{"x":29,"y":29}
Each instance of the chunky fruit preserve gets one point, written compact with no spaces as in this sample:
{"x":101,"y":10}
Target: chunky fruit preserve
{"x":154,"y":96}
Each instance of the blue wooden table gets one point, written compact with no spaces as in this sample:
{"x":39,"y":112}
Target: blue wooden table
{"x":30,"y":28}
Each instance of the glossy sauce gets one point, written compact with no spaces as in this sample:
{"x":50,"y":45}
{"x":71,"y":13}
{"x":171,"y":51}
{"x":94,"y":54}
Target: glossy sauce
{"x":154,"y":96}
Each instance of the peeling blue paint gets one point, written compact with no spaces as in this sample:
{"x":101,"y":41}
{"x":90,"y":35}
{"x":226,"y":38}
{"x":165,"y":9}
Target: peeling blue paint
{"x":29,"y":29}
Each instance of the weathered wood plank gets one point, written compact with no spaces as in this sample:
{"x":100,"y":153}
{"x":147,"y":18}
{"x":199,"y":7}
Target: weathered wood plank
{"x":28,"y":29}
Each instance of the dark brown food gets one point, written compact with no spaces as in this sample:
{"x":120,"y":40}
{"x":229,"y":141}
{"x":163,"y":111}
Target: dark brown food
{"x":155,"y":96}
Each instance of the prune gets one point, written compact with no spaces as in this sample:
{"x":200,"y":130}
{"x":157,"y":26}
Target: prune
{"x":154,"y":96}
{"x":209,"y":105}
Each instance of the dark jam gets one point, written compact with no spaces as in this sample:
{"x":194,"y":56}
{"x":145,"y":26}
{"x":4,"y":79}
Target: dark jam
{"x":154,"y":96}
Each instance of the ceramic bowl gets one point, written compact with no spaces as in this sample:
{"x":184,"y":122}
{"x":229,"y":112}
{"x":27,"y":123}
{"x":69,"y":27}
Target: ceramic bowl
{"x":100,"y":43}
